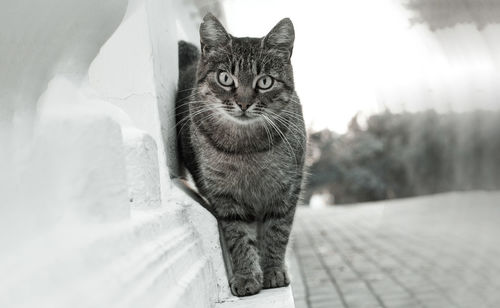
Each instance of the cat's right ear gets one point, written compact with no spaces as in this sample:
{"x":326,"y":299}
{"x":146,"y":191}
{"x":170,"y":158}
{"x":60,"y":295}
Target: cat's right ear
{"x":212,"y":33}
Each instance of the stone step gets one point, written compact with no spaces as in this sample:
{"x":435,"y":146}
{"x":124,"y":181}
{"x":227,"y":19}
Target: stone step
{"x":122,"y":265}
{"x":143,"y":172}
{"x":271,"y":298}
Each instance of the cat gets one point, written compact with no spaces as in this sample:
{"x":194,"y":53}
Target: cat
{"x":243,"y":140}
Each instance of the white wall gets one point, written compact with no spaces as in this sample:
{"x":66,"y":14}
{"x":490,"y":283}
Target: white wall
{"x":41,"y":41}
{"x":89,"y":217}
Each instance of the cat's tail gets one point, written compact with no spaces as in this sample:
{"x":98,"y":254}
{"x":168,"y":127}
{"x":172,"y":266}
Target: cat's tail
{"x":188,"y":54}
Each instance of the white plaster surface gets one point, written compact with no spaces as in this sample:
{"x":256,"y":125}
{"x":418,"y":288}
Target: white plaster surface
{"x":272,"y":298}
{"x":86,"y":126}
{"x":206,"y":227}
{"x":141,"y":161}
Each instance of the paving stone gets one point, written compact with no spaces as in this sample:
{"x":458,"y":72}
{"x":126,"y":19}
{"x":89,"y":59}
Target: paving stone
{"x":327,"y":305}
{"x":388,"y":255}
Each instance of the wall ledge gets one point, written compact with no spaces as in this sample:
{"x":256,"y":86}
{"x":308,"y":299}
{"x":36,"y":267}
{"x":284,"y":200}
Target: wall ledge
{"x":271,"y":298}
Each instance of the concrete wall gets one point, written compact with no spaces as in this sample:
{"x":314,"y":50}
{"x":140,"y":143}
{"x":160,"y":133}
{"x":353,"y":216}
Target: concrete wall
{"x":89,"y":216}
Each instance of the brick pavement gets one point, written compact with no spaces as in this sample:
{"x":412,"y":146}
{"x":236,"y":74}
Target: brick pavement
{"x":436,"y":252}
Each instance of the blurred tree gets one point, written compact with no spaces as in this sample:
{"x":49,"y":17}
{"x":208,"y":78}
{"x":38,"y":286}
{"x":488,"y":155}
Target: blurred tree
{"x":407,"y":154}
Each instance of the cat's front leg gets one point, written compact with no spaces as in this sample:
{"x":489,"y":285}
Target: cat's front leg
{"x":274,"y":234}
{"x":240,"y":237}
{"x":247,"y":275}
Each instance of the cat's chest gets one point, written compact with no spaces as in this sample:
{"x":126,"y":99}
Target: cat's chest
{"x":246,"y":170}
{"x":252,"y":178}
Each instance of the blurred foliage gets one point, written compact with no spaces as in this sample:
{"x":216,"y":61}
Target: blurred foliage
{"x":407,"y":154}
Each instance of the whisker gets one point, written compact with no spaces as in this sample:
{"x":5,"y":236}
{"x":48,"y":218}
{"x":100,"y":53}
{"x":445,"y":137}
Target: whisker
{"x":268,"y":134}
{"x":282,"y":136}
{"x":188,"y":97}
{"x":292,"y":127}
{"x":184,"y":121}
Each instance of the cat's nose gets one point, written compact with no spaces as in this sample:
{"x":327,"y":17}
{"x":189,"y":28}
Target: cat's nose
{"x":244,"y":105}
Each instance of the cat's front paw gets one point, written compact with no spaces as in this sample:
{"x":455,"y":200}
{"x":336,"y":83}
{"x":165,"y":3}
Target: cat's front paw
{"x":276,"y":278}
{"x":244,"y":284}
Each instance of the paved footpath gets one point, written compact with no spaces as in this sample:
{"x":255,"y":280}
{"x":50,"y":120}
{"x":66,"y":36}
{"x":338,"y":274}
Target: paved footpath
{"x":437,"y":251}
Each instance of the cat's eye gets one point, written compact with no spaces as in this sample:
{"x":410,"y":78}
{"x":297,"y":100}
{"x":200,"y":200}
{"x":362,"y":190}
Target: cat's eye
{"x":225,"y":79}
{"x":265,"y":82}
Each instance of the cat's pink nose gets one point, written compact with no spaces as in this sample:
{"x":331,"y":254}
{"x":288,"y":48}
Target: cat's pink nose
{"x":244,"y":105}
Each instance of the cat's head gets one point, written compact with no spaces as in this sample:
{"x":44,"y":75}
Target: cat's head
{"x":246,"y":79}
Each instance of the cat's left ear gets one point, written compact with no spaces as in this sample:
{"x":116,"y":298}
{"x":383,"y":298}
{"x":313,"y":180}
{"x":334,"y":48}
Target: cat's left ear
{"x":212,"y":33}
{"x":281,"y":37}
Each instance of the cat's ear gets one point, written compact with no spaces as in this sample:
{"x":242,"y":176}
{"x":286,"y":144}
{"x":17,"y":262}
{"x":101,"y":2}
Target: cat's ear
{"x":212,"y":33}
{"x":281,"y":37}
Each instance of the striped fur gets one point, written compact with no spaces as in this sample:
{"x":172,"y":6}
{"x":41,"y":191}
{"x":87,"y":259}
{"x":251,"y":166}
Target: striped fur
{"x":250,"y":170}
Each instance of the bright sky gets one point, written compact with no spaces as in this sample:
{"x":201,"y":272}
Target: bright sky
{"x":363,"y":55}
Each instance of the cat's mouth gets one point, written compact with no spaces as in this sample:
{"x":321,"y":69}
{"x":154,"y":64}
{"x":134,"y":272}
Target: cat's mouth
{"x":240,"y":115}
{"x":244,"y":116}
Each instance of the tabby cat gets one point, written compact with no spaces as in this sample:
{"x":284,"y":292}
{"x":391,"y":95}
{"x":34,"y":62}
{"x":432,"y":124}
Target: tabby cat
{"x":242,"y":139}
